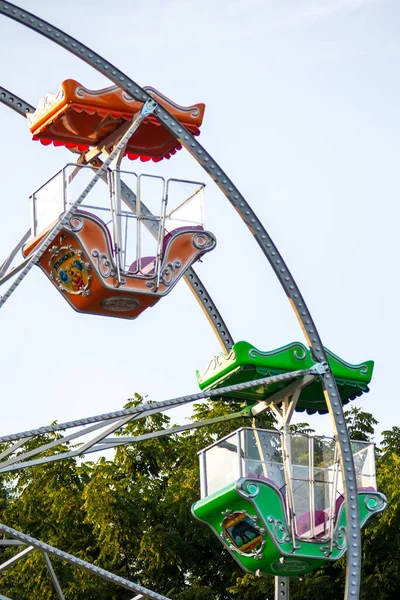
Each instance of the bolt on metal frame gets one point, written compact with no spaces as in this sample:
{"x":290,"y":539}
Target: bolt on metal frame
{"x":269,"y":249}
{"x":281,"y":587}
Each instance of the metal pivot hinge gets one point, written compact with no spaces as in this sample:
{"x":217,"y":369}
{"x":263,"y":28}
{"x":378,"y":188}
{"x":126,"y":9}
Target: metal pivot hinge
{"x":148,"y":107}
{"x":319,"y":368}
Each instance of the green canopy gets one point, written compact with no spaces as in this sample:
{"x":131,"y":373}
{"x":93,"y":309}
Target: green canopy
{"x":245,"y":363}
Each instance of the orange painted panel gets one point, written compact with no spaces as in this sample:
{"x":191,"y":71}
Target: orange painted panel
{"x":80,"y":264}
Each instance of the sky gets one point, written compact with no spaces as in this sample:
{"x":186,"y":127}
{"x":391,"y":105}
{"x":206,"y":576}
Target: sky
{"x":302,"y":102}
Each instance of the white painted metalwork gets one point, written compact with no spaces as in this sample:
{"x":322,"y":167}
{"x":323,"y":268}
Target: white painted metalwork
{"x":111,"y":422}
{"x":47,"y":550}
{"x":14,"y":559}
{"x":53,"y":577}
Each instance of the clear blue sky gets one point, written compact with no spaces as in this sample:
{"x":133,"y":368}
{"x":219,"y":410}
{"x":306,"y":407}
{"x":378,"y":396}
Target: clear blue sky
{"x":302,"y":112}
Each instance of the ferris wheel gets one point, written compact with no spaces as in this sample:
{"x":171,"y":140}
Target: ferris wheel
{"x":282,"y":504}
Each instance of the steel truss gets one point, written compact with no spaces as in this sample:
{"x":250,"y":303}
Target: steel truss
{"x":269,"y":249}
{"x":14,"y":457}
{"x":46,"y":550}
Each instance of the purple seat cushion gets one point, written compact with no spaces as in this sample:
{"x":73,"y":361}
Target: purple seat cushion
{"x":303,"y":523}
{"x":340,"y":499}
{"x":147,"y":264}
{"x":338,"y":504}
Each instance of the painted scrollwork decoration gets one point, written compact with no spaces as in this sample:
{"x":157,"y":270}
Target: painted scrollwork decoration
{"x":75,"y":223}
{"x":203,"y":240}
{"x":375,"y":502}
{"x":104,"y":265}
{"x":249,"y":488}
{"x":169,"y":272}
{"x":279,"y":530}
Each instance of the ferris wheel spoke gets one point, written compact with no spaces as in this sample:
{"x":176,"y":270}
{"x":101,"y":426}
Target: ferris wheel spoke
{"x":10,"y":258}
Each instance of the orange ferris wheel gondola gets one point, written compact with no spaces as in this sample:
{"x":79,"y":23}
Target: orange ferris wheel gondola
{"x":84,"y":262}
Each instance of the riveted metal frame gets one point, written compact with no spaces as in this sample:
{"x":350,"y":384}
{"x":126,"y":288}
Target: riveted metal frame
{"x":281,"y":588}
{"x":353,"y":534}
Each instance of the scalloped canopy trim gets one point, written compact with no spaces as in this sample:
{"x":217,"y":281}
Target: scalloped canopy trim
{"x":246,"y":363}
{"x":79,"y":118}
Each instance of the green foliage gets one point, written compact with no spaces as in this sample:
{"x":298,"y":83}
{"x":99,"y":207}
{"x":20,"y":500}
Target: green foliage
{"x":302,"y":428}
{"x":131,"y":515}
{"x":360,"y":424}
{"x":390,"y":442}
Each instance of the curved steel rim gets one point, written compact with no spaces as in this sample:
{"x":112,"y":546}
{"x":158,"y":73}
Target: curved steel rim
{"x":353,"y":534}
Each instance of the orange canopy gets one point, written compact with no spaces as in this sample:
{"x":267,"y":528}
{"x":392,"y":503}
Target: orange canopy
{"x":76,"y":117}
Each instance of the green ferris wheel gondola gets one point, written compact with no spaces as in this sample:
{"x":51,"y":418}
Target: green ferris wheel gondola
{"x":276,"y":522}
{"x":275,"y":499}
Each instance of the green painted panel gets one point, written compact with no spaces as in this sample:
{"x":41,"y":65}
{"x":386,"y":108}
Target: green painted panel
{"x":246,"y":363}
{"x":255,"y":504}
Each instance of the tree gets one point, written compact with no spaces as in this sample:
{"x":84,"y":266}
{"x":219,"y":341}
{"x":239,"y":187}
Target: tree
{"x":131,"y":515}
{"x":360,"y":424}
{"x":381,"y":545}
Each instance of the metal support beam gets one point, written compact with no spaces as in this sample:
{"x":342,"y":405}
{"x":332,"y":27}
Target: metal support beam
{"x":8,"y":261}
{"x":82,"y":564}
{"x":11,"y":543}
{"x":178,"y":429}
{"x":53,"y":577}
{"x":279,"y":397}
{"x":116,"y":420}
{"x":281,"y":588}
{"x":108,"y":142}
{"x":11,"y":561}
